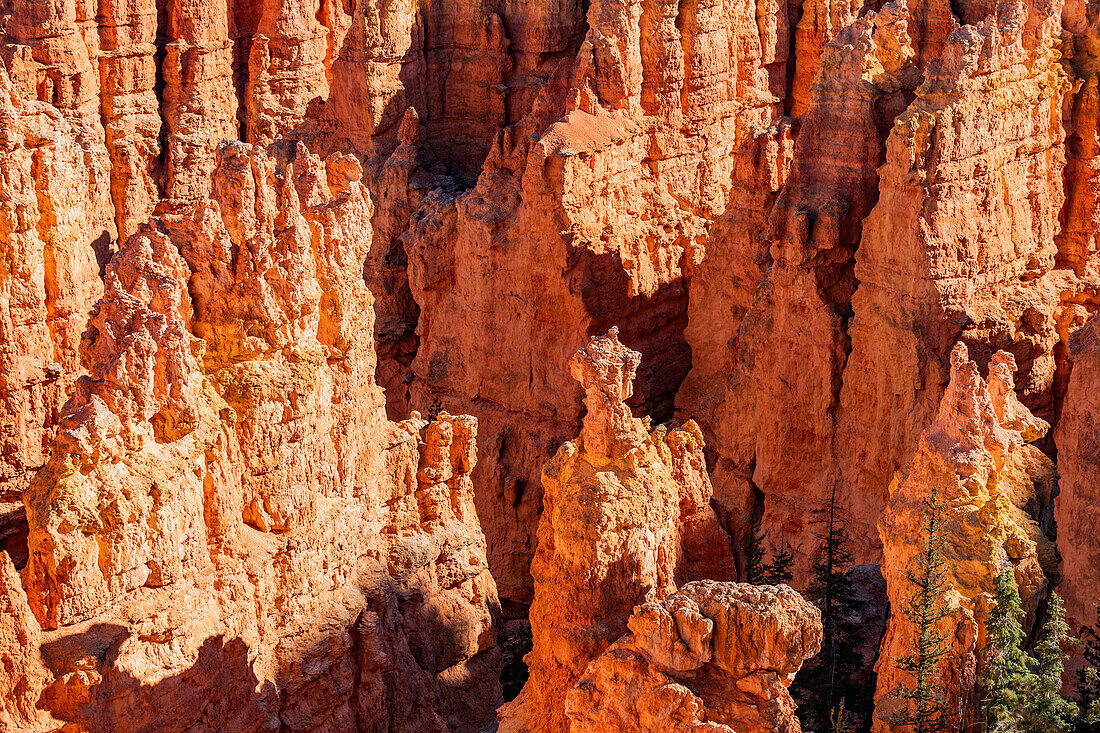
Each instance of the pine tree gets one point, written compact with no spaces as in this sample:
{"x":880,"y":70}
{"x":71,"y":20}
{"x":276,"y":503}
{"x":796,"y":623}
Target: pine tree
{"x":829,"y":684}
{"x":759,"y":571}
{"x":926,"y":709}
{"x":1005,"y":675}
{"x":1088,"y":682}
{"x":1090,"y":709}
{"x":1047,"y":711}
{"x":778,"y":570}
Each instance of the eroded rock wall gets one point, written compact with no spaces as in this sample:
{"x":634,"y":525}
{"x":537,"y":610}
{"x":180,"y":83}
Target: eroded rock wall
{"x":1078,"y":464}
{"x":47,"y":289}
{"x":994,"y":491}
{"x":712,"y":657}
{"x":229,"y":533}
{"x":827,"y":365}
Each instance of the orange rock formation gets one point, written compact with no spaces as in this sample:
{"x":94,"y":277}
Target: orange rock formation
{"x":713,"y":657}
{"x":793,"y":209}
{"x":229,"y":533}
{"x":994,"y":486}
{"x":626,"y":517}
{"x":1078,"y":495}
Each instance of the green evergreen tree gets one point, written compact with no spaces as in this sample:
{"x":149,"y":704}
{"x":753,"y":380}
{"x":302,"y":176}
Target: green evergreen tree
{"x":1088,"y":682}
{"x":926,"y":710}
{"x":1090,"y":709}
{"x":778,"y":570}
{"x":1005,"y":677}
{"x":1047,"y":711}
{"x":758,"y":569}
{"x":830,"y":685}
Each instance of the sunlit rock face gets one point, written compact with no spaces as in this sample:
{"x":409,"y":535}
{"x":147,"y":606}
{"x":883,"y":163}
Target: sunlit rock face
{"x":626,"y":517}
{"x":229,"y":534}
{"x":994,"y":490}
{"x":244,"y":241}
{"x":714,"y":657}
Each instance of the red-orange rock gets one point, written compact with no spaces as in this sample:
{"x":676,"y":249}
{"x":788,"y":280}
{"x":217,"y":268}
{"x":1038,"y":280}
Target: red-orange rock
{"x":714,"y":657}
{"x":771,"y":417}
{"x":227,"y":508}
{"x":48,"y":288}
{"x":626,"y":517}
{"x":594,"y":209}
{"x":993,"y":487}
{"x":1078,"y":498}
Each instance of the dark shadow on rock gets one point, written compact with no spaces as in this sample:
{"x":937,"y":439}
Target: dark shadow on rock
{"x":397,"y":665}
{"x":13,"y":535}
{"x":218,"y":692}
{"x":652,"y":324}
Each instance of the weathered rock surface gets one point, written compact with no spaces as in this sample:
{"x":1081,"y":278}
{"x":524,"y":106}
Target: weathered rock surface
{"x":714,"y":657}
{"x":771,"y":417}
{"x":996,"y":493}
{"x":793,"y":210}
{"x":47,"y":289}
{"x":826,"y":363}
{"x":1078,"y":500}
{"x":229,"y":534}
{"x":594,"y":208}
{"x":626,"y":518}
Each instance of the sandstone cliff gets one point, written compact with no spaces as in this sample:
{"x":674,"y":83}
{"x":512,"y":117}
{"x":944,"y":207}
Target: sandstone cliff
{"x":830,"y":355}
{"x":995,"y":488}
{"x":48,"y":288}
{"x":1078,"y":497}
{"x":793,"y":209}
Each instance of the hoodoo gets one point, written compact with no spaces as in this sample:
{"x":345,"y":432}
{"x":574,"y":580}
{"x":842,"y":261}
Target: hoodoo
{"x":555,"y":365}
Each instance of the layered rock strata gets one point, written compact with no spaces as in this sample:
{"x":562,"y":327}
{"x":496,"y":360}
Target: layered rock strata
{"x":771,"y":419}
{"x":995,"y":490}
{"x":229,"y":533}
{"x":594,"y":208}
{"x":714,"y":657}
{"x":626,"y":518}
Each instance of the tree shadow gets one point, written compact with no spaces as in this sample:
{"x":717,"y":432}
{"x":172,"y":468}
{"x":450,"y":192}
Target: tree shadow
{"x":395,"y":660}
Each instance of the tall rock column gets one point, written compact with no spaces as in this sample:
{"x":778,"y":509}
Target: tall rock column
{"x":200,"y":102}
{"x":995,"y":489}
{"x":47,"y":289}
{"x":595,"y":209}
{"x":620,"y":525}
{"x":960,"y":246}
{"x":226,"y":507}
{"x":51,"y":50}
{"x":1078,"y":503}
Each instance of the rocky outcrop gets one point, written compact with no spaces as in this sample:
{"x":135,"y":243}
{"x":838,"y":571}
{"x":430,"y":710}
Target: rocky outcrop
{"x":995,"y":489}
{"x":200,"y":105}
{"x":929,"y":277}
{"x":47,"y":290}
{"x":626,"y":518}
{"x":1078,"y":497}
{"x":712,"y":657}
{"x":229,"y":532}
{"x":834,"y":358}
{"x":771,"y":417}
{"x":594,"y":208}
